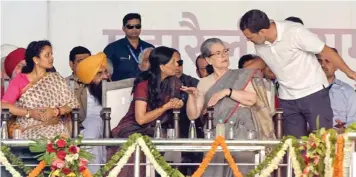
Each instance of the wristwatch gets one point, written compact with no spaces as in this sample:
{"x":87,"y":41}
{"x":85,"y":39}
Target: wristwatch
{"x":27,"y":114}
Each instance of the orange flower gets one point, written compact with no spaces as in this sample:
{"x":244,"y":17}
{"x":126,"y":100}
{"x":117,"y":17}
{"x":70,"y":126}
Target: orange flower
{"x":35,"y":172}
{"x":339,"y":159}
{"x":209,"y":156}
{"x":86,"y":173}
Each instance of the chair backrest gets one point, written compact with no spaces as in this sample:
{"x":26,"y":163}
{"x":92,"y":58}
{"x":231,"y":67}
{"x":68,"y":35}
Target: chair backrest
{"x":117,"y":96}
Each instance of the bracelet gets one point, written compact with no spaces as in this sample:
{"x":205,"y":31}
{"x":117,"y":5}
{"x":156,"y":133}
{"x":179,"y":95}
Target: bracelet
{"x":230,"y":92}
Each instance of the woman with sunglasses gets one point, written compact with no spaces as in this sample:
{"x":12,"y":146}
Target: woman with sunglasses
{"x":237,"y":97}
{"x":124,"y":53}
{"x":156,"y":93}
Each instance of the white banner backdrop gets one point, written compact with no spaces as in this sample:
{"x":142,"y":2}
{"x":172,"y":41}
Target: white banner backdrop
{"x":182,"y":25}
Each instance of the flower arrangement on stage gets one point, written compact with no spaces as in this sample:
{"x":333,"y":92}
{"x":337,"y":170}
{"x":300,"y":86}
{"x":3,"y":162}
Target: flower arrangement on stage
{"x":319,"y":147}
{"x":347,"y":155}
{"x":272,"y":161}
{"x":325,"y":154}
{"x":63,"y":155}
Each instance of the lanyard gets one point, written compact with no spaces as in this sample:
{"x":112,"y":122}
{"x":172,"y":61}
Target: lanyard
{"x":133,"y":54}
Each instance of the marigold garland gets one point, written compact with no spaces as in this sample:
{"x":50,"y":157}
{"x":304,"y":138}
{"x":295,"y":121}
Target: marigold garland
{"x":229,"y":159}
{"x":338,"y":163}
{"x":36,"y":171}
{"x":209,"y":156}
{"x":328,"y":160}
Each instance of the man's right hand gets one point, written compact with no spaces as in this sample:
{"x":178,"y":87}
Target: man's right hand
{"x":351,"y":75}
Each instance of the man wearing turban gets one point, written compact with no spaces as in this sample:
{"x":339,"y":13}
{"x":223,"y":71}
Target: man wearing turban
{"x":91,"y":72}
{"x":14,"y":62}
{"x":6,"y":49}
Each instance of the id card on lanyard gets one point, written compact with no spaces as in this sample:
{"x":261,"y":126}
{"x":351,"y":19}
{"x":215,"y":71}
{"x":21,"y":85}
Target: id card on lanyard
{"x":133,"y":54}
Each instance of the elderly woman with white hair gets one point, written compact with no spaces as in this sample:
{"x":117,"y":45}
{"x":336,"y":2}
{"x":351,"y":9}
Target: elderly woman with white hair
{"x":238,"y":97}
{"x":143,"y":62}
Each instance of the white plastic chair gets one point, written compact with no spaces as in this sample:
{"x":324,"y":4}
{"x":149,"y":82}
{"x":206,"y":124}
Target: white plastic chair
{"x":117,"y":96}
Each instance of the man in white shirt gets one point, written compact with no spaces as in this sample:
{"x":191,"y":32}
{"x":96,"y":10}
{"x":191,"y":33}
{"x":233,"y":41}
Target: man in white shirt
{"x":289,"y":50}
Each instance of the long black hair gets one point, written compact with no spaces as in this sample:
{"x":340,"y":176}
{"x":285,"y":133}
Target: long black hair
{"x":159,"y":56}
{"x":34,"y":49}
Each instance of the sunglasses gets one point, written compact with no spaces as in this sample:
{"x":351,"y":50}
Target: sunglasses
{"x":138,"y":26}
{"x":180,"y":62}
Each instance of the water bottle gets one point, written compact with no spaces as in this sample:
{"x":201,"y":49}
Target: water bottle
{"x":158,"y":130}
{"x":4,"y":131}
{"x":231,"y":135}
{"x":220,"y":129}
{"x":241,"y":130}
{"x":5,"y":116}
{"x":192,"y":130}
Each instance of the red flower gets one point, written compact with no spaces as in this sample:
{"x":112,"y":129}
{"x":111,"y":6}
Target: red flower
{"x":314,"y":145}
{"x":73,"y":149}
{"x":82,"y":168}
{"x":61,"y":143}
{"x":61,"y":155}
{"x":306,"y":159}
{"x":66,"y":171}
{"x":53,"y":168}
{"x":83,"y":162}
{"x":50,"y":148}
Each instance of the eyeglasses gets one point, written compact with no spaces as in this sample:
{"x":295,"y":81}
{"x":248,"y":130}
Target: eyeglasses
{"x":220,"y":53}
{"x":180,"y":62}
{"x":138,"y":26}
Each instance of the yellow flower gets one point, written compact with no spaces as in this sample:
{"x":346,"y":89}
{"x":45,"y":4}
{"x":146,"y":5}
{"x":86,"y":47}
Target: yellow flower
{"x":71,"y":175}
{"x":54,"y":173}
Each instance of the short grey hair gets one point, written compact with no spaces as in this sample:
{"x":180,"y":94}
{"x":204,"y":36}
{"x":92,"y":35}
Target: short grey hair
{"x":110,"y":67}
{"x":205,"y":47}
{"x":142,"y":53}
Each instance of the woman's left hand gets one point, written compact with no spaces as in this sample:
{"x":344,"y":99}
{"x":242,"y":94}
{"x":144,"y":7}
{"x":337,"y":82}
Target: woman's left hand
{"x":217,"y":97}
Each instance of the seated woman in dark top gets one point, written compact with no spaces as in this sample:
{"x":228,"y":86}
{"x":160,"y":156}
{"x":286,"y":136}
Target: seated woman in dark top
{"x":156,"y":93}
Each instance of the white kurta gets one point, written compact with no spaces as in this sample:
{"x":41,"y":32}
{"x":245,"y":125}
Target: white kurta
{"x":93,"y":129}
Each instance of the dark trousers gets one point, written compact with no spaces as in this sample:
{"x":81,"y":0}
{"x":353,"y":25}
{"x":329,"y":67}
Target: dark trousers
{"x":300,"y":112}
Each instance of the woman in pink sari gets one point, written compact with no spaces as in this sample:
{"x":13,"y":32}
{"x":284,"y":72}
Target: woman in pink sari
{"x":39,"y":98}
